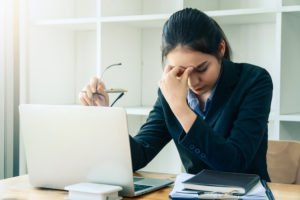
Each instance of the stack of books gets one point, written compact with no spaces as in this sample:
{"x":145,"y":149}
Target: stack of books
{"x":210,"y":184}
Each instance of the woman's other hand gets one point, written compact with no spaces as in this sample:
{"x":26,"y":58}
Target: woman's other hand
{"x":94,"y":94}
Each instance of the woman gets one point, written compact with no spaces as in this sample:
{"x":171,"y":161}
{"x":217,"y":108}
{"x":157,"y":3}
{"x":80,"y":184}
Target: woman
{"x":215,"y":111}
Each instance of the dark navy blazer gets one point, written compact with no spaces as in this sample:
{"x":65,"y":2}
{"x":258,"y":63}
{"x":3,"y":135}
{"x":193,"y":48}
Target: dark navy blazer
{"x":234,"y":135}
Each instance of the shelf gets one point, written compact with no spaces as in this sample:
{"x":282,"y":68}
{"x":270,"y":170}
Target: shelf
{"x":239,"y":16}
{"x":290,"y":8}
{"x":145,"y":21}
{"x":244,"y":16}
{"x":143,"y":111}
{"x":290,"y":2}
{"x":70,"y":24}
{"x":290,"y":117}
{"x":146,"y":110}
{"x":109,"y":8}
{"x":61,"y":9}
{"x":228,"y":4}
{"x":289,"y":130}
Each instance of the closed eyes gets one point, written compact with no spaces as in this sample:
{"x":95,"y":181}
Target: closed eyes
{"x":202,"y":67}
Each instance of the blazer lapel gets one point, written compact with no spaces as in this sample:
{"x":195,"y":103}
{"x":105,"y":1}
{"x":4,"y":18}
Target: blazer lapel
{"x":228,"y":79}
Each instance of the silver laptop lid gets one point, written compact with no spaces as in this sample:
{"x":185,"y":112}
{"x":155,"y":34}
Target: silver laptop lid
{"x":71,"y":144}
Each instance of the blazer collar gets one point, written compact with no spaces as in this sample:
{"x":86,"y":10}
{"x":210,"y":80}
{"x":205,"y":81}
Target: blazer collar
{"x":227,"y":81}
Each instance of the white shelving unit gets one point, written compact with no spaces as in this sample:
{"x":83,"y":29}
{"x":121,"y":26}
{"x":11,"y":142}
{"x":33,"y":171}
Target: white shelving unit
{"x":69,"y":41}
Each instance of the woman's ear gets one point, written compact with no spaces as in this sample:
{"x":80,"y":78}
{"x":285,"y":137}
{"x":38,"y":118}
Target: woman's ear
{"x":222,"y":48}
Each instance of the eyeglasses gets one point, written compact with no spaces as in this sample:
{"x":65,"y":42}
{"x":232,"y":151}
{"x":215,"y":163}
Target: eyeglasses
{"x":114,"y":90}
{"x":111,"y":90}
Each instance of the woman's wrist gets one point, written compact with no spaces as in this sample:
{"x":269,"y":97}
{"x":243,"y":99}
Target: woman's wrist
{"x":185,"y":116}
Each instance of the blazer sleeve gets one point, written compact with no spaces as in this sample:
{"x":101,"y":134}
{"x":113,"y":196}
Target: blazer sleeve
{"x":151,"y":138}
{"x":236,"y":152}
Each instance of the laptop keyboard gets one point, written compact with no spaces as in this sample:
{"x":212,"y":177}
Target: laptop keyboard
{"x":138,"y":187}
{"x":136,"y":178}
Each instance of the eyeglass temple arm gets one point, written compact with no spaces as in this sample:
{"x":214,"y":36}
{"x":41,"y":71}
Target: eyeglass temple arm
{"x":112,"y":65}
{"x":120,"y":95}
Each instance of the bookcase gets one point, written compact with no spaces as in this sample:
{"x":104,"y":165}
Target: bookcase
{"x":65,"y":42}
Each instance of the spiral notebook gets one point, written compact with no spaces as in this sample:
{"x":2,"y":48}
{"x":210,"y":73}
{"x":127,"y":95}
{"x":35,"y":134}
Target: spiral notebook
{"x":224,"y":182}
{"x":260,"y":191}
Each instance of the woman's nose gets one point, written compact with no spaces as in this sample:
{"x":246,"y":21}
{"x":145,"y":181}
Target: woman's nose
{"x":194,"y":79}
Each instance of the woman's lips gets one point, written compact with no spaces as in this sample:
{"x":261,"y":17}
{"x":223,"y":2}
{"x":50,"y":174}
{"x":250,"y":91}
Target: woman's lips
{"x":198,"y":89}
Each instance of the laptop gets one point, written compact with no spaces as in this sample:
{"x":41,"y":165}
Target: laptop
{"x":65,"y":145}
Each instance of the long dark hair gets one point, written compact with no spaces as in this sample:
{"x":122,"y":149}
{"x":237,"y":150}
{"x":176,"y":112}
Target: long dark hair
{"x":193,"y":29}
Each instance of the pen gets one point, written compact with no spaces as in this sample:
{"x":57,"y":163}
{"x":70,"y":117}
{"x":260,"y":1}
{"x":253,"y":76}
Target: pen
{"x":217,"y":196}
{"x":111,"y":90}
{"x":204,"y":195}
{"x":268,"y":190}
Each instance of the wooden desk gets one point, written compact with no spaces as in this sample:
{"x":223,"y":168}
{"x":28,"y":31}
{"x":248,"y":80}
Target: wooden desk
{"x":18,"y":188}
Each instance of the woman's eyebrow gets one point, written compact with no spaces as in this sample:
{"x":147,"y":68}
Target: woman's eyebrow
{"x":201,"y":65}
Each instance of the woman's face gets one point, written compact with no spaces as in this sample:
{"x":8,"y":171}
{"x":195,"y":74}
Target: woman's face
{"x":206,"y":68}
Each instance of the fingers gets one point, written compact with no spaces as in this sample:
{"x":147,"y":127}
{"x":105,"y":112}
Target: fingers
{"x":84,"y":99}
{"x":93,"y":84}
{"x":96,"y":86}
{"x":94,"y":94}
{"x":101,"y":100}
{"x":186,"y":73}
{"x":100,"y":87}
{"x":88,"y":91}
{"x":167,"y":69}
{"x":176,"y":71}
{"x":97,"y":102}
